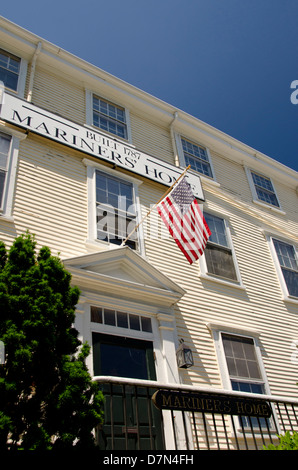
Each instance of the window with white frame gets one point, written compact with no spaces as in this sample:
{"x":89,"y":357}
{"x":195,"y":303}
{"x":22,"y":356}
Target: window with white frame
{"x":9,"y":148}
{"x":288,"y":264}
{"x":109,"y":117}
{"x":120,"y":319}
{"x":244,"y":368}
{"x":263,"y":189}
{"x":13,"y":71}
{"x":219,"y":256}
{"x":115,"y":209}
{"x":5,"y":143}
{"x":9,"y":69}
{"x":197,"y":157}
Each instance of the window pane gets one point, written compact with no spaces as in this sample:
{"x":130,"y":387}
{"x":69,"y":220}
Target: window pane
{"x":197,"y":157}
{"x":109,"y":117}
{"x":146,"y":324}
{"x":218,"y":230}
{"x":241,"y":357}
{"x":263,"y":182}
{"x":134,"y":322}
{"x":264,"y":189}
{"x":114,"y":197}
{"x":123,"y":361}
{"x":9,"y":69}
{"x":287,"y":259}
{"x":265,"y":196}
{"x":2,"y":182}
{"x":220,"y":262}
{"x":109,"y":316}
{"x":96,"y":314}
{"x":286,"y":255}
{"x":122,"y":320}
{"x":4,"y":150}
{"x":291,"y":279}
{"x":251,"y":388}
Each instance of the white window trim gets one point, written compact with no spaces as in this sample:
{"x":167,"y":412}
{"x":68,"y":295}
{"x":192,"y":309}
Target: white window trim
{"x":182,"y":159}
{"x":11,"y":173}
{"x":20,"y":91}
{"x":256,"y":200}
{"x":91,"y":190}
{"x":216,"y":330}
{"x":158,"y":335}
{"x":203,"y":265}
{"x":285,"y":293}
{"x":89,"y":117}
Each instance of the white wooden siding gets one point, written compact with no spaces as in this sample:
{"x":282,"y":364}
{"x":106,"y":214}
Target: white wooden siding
{"x":51,"y":196}
{"x":51,"y":201}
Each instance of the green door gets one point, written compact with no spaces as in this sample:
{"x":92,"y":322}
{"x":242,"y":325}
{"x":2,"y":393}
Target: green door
{"x":131,"y":421}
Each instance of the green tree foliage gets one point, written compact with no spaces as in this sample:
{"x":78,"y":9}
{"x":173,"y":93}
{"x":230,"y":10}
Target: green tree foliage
{"x":47,"y":398}
{"x":287,"y":441}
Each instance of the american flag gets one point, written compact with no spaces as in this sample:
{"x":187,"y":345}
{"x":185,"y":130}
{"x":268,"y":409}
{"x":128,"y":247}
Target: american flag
{"x":183,"y":217}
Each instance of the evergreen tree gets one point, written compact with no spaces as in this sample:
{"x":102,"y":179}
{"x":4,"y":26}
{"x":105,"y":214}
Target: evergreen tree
{"x":47,"y":397}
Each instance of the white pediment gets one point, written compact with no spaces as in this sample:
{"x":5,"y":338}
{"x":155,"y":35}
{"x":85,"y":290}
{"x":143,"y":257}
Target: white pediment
{"x":123,"y":269}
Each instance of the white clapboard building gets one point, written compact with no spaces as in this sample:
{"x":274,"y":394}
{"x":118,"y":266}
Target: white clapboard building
{"x":84,"y":157}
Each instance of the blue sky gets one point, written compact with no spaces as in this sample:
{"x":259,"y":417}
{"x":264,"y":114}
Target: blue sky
{"x":230,"y":63}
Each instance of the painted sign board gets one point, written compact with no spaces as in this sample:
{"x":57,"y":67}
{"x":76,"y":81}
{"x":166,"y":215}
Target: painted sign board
{"x":209,"y":403}
{"x":88,"y":140}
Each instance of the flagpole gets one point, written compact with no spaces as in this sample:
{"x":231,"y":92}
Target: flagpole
{"x":156,"y":204}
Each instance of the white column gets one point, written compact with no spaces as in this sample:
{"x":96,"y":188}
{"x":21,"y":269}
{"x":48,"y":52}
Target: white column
{"x":171,"y":375}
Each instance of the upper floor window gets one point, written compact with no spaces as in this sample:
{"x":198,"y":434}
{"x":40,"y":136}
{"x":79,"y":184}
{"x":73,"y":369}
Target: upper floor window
{"x":197,"y":157}
{"x":9,"y":151}
{"x":218,"y":252}
{"x":264,"y":190}
{"x":5,"y":142}
{"x":109,"y":117}
{"x":9,"y":69}
{"x":115,"y":209}
{"x":288,"y":262}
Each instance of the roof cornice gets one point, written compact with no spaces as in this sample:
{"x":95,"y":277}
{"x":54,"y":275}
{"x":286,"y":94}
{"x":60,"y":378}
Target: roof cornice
{"x":239,"y":151}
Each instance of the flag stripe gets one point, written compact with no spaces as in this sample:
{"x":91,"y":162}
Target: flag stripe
{"x":185,"y":221}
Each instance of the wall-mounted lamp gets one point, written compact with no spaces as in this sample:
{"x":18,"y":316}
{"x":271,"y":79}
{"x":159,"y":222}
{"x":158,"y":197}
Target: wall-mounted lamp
{"x":184,"y":356}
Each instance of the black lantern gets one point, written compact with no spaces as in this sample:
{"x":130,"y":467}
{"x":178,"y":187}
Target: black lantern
{"x":184,"y":356}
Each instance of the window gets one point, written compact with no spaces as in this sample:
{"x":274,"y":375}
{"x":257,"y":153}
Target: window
{"x":218,"y":252}
{"x":243,"y":368}
{"x":288,"y":263}
{"x":197,"y":157}
{"x":9,"y":150}
{"x":115,"y":209}
{"x":5,"y":142}
{"x":263,"y":189}
{"x":109,"y":117}
{"x":121,"y":319}
{"x":9,"y":69}
{"x":123,"y":357}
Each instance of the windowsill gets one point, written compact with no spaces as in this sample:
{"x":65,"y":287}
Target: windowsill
{"x":291,"y":299}
{"x":267,"y":206}
{"x":225,"y":282}
{"x":6,"y":218}
{"x":96,"y":244}
{"x":100,"y":243}
{"x":207,"y":180}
